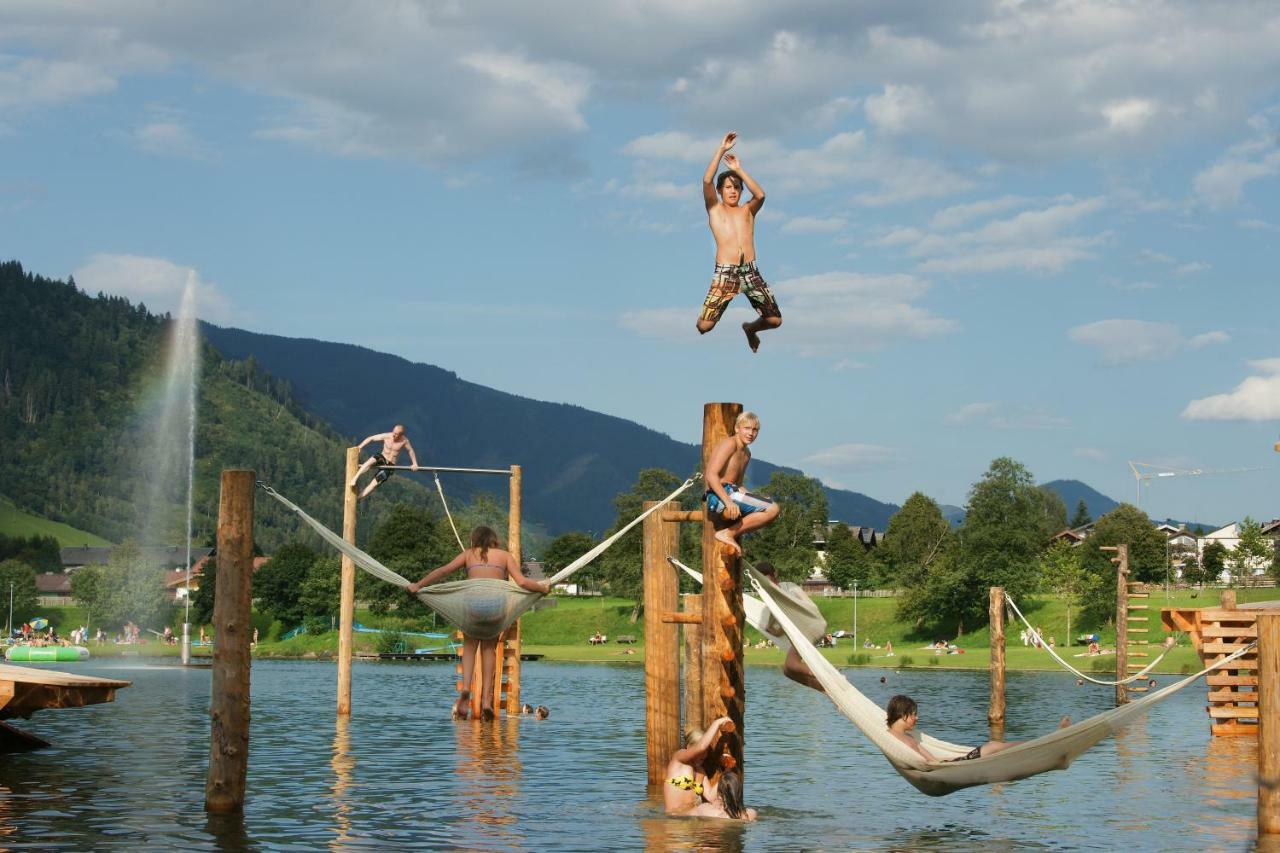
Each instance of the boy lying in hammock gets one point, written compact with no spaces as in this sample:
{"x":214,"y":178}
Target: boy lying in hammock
{"x":726,"y":470}
{"x":902,"y":714}
{"x":794,"y":667}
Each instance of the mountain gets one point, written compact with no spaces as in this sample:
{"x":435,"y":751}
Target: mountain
{"x":1098,"y":504}
{"x":574,"y":460}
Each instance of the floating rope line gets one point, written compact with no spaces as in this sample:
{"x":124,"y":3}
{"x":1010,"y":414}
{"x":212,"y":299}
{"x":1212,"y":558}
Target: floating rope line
{"x":1140,"y":674}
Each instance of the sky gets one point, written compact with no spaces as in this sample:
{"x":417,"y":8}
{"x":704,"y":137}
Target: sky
{"x":1043,"y":230}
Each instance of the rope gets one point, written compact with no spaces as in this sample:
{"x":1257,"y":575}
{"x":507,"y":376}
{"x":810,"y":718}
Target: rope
{"x":1142,"y":673}
{"x":448,"y":515}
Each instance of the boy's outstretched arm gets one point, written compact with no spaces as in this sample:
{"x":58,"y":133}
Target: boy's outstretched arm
{"x":708,"y":177}
{"x":382,"y":436}
{"x":757,"y":192}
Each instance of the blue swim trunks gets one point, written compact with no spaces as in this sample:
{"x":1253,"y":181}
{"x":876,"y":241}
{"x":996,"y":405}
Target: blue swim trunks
{"x":746,"y":501}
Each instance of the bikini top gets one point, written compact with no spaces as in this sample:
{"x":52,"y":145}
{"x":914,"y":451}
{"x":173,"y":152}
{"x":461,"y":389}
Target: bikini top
{"x":686,"y":783}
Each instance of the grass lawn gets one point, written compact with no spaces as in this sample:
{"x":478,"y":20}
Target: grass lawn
{"x":16,"y":522}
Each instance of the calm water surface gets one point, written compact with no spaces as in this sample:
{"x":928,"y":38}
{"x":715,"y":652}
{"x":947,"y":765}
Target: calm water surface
{"x":400,"y":774}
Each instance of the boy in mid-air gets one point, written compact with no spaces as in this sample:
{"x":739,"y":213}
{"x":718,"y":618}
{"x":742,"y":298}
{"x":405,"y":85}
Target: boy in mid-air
{"x":733,"y":224}
{"x":392,"y":443}
{"x":726,"y":470}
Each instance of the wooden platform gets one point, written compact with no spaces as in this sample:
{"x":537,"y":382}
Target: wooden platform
{"x":1216,"y":632}
{"x":25,"y":690}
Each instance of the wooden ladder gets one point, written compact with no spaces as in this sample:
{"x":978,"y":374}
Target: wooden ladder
{"x":1137,"y":596}
{"x":506,"y":674}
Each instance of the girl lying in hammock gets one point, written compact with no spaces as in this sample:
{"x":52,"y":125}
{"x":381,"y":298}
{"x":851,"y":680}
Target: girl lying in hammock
{"x":902,"y":714}
{"x":484,"y":559}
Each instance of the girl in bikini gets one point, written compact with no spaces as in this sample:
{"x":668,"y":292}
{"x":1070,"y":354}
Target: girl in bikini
{"x":688,"y":785}
{"x":484,"y":559}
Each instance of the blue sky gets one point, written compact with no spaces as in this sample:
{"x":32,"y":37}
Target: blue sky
{"x":1035,"y":229}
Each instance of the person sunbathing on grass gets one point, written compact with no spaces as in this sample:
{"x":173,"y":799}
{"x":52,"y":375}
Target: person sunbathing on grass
{"x":740,"y":511}
{"x":901,"y":715}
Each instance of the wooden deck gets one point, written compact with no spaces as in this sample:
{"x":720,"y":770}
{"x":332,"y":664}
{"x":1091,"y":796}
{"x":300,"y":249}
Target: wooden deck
{"x":25,"y":690}
{"x":1216,"y":632}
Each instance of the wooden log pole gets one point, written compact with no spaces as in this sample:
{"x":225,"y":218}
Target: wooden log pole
{"x":509,"y":646}
{"x":1228,"y":599}
{"x":347,"y":594}
{"x":995,"y":609}
{"x":661,"y":644}
{"x":1121,"y":559}
{"x":1268,"y":724}
{"x":693,"y":718}
{"x":233,"y":597}
{"x":723,"y":685}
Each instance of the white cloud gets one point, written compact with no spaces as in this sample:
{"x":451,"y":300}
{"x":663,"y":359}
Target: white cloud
{"x":34,"y":82}
{"x":961,"y":214}
{"x":970,"y":413}
{"x":814,"y":225}
{"x":899,"y":109}
{"x":1130,"y":341}
{"x":1093,"y":454}
{"x":1192,"y":268}
{"x":849,"y":364}
{"x":1222,"y":184}
{"x":154,"y":281}
{"x":1257,"y":225}
{"x":171,"y":139}
{"x":1257,"y":398}
{"x":854,"y":457}
{"x":1001,"y":416}
{"x":1130,"y":115}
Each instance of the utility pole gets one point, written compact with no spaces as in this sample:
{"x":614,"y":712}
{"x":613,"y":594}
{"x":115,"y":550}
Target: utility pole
{"x":9,"y":630}
{"x":855,"y":617}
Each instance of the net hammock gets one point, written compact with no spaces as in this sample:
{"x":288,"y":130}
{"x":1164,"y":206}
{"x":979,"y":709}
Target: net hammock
{"x":1054,"y":751}
{"x":482,"y":607}
{"x":1142,"y":673}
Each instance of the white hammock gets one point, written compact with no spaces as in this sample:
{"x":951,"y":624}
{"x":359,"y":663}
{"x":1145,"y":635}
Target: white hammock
{"x":1054,"y":751}
{"x":483,"y":608}
{"x":1142,"y":673}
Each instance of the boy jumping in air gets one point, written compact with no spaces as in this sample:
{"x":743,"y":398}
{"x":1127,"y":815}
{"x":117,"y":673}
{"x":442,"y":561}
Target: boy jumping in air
{"x":733,"y":224}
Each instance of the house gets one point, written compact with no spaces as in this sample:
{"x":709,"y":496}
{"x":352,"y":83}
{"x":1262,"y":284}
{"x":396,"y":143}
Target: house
{"x":169,"y":556}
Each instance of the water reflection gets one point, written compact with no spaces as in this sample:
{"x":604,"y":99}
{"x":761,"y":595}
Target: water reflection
{"x":344,"y":765}
{"x":487,"y":772}
{"x":662,"y":833}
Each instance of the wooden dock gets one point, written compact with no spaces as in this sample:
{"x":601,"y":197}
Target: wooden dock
{"x":25,"y":690}
{"x":1216,"y":632}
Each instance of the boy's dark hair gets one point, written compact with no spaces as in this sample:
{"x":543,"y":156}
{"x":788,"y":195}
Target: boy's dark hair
{"x":766,"y":568}
{"x":900,"y":706}
{"x":726,"y":175}
{"x":730,"y":789}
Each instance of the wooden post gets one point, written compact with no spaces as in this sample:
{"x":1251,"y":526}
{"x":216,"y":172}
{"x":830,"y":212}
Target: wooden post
{"x":1268,"y":724}
{"x":723,"y":691}
{"x":347,"y":596}
{"x":1121,"y":559}
{"x":693,"y":718}
{"x":1228,"y":599}
{"x":229,"y":699}
{"x":995,"y":608}
{"x":661,"y":644}
{"x":509,"y":645}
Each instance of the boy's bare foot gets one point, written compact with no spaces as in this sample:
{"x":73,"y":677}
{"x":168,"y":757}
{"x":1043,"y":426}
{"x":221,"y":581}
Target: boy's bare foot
{"x":753,"y":340}
{"x":1066,"y":721}
{"x":486,"y":714}
{"x":726,"y":539}
{"x":460,"y":708}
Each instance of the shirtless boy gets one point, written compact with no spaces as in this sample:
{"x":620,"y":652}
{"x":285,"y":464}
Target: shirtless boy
{"x":392,"y":443}
{"x":902,"y":714}
{"x":726,"y":470}
{"x":733,"y":225}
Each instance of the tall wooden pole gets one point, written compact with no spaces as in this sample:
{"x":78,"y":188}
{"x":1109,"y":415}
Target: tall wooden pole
{"x":1228,"y":599}
{"x":509,"y":646}
{"x":995,"y":609}
{"x":693,"y":718}
{"x":347,"y":597}
{"x":233,"y":598}
{"x":1121,"y":559}
{"x":1268,"y":724}
{"x":661,"y":644}
{"x":723,"y":687}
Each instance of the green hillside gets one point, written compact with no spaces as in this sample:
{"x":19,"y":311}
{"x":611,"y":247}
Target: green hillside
{"x":15,"y":522}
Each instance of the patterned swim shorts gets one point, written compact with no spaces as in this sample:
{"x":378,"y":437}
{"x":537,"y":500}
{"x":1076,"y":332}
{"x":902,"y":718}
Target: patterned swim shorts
{"x":730,"y":279}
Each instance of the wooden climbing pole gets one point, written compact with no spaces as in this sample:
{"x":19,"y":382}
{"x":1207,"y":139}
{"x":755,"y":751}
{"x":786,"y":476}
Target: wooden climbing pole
{"x":723,"y":691}
{"x":661,"y":642}
{"x":1121,"y":559}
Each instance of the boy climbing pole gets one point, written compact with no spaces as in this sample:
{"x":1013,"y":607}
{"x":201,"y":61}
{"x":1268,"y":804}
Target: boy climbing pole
{"x":733,"y":224}
{"x":726,"y":471}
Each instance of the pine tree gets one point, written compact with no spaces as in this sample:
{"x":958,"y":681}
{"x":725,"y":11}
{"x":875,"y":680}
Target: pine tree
{"x":1082,"y":517}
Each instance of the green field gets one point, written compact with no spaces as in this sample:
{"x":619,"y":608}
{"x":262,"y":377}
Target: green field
{"x":16,"y":522}
{"x":560,"y":633}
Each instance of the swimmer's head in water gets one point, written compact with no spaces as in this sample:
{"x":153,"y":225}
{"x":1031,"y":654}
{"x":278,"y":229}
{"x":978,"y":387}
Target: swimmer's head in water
{"x":526,"y":708}
{"x":542,"y":712}
{"x":692,"y":735}
{"x":900,"y":707}
{"x":730,"y":790}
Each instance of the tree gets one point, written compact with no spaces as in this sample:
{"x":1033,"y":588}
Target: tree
{"x":1082,"y":517}
{"x":409,"y":543}
{"x":202,"y":599}
{"x":1062,"y":570}
{"x":1193,"y":569}
{"x":277,"y":586}
{"x":847,"y":561}
{"x":24,"y":596}
{"x":318,"y":599}
{"x":1254,"y":551}
{"x":1124,"y":525}
{"x":1052,"y":512}
{"x":129,"y":588}
{"x":788,"y":541}
{"x":621,"y":564}
{"x":41,"y":553}
{"x":917,"y":536}
{"x":1213,"y":562}
{"x":566,"y":548}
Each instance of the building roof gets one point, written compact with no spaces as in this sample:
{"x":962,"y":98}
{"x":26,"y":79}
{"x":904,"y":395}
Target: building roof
{"x":165,"y":555}
{"x":53,"y":583}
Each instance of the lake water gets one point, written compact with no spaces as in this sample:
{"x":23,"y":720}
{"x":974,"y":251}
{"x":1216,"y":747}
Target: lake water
{"x":401,"y":774}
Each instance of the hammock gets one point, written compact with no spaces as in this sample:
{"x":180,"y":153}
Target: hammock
{"x":482,"y":607}
{"x":1054,"y":751}
{"x":1142,"y":673}
{"x":805,"y":613}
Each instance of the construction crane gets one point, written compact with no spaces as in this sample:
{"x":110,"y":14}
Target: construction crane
{"x":1159,"y":472}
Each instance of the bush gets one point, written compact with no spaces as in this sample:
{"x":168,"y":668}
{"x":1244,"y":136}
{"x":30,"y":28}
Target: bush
{"x":907,"y":660}
{"x":933,"y":661}
{"x":859,"y":659}
{"x":274,"y":632}
{"x":390,"y":642}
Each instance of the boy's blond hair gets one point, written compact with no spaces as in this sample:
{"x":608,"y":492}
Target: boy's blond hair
{"x":746,"y":418}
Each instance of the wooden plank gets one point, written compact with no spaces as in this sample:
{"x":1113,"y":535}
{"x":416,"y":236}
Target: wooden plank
{"x":1139,"y":630}
{"x":1268,"y":713}
{"x":1175,"y":619}
{"x":662,"y":644}
{"x":681,"y":618}
{"x":1139,"y":607}
{"x":1219,"y":712}
{"x":1236,"y":696}
{"x":1217,"y":630}
{"x":1219,"y":615}
{"x":683,"y":515}
{"x":1234,"y":729}
{"x":1224,"y":648}
{"x":1217,"y":680}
